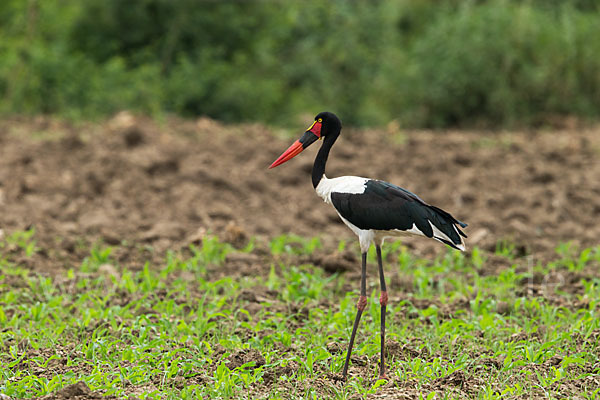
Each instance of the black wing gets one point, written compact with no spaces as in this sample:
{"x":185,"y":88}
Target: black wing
{"x":384,"y":206}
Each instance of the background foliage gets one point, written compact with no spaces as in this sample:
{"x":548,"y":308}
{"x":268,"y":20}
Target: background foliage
{"x":426,"y":63}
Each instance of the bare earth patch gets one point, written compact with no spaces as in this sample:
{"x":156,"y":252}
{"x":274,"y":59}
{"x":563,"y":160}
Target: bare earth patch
{"x":164,"y":186}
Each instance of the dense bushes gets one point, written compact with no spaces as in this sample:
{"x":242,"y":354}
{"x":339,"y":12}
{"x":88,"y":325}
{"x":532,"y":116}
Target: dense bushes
{"x":423,"y":62}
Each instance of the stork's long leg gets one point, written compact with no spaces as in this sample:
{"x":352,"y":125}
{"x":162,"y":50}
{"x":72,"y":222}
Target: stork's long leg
{"x":360,"y":306}
{"x":383,"y":299}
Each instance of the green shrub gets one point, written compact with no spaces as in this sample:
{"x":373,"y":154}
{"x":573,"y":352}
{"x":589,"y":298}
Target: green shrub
{"x":504,"y":63}
{"x":423,"y":62}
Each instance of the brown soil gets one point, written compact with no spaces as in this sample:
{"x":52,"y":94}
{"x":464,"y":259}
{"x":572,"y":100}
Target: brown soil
{"x":148,"y":187}
{"x":76,"y":391}
{"x":134,"y":181}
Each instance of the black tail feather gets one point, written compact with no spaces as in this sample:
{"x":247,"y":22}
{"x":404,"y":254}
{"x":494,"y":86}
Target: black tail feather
{"x":449,"y":243}
{"x":450,"y":219}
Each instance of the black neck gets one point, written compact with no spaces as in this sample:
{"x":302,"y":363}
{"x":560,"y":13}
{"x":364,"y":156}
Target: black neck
{"x":319,"y":166}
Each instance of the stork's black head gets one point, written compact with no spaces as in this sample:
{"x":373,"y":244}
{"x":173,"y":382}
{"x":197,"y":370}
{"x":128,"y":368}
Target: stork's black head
{"x":330,"y":123}
{"x":326,"y":124}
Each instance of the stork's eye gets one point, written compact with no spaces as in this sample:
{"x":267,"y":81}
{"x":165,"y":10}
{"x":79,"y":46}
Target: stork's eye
{"x":320,"y":120}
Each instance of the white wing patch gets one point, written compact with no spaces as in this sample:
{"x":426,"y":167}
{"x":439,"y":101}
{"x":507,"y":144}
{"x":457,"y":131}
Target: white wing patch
{"x":400,"y":232}
{"x":439,"y":234}
{"x":343,"y":184}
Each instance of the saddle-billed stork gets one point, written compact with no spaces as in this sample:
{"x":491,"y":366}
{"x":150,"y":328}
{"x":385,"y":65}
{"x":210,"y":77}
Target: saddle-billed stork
{"x":374,"y":210}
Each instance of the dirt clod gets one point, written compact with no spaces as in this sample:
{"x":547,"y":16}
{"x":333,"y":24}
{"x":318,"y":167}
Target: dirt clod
{"x":76,"y":391}
{"x":245,"y":356}
{"x":337,"y":262}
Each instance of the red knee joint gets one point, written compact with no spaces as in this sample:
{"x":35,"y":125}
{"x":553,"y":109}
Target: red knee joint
{"x":362,"y":303}
{"x":383,"y":299}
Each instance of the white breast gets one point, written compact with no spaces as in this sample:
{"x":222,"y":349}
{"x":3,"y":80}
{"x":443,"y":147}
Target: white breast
{"x":343,"y":184}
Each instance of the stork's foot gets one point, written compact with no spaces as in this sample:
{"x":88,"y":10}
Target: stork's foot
{"x":384,"y":376}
